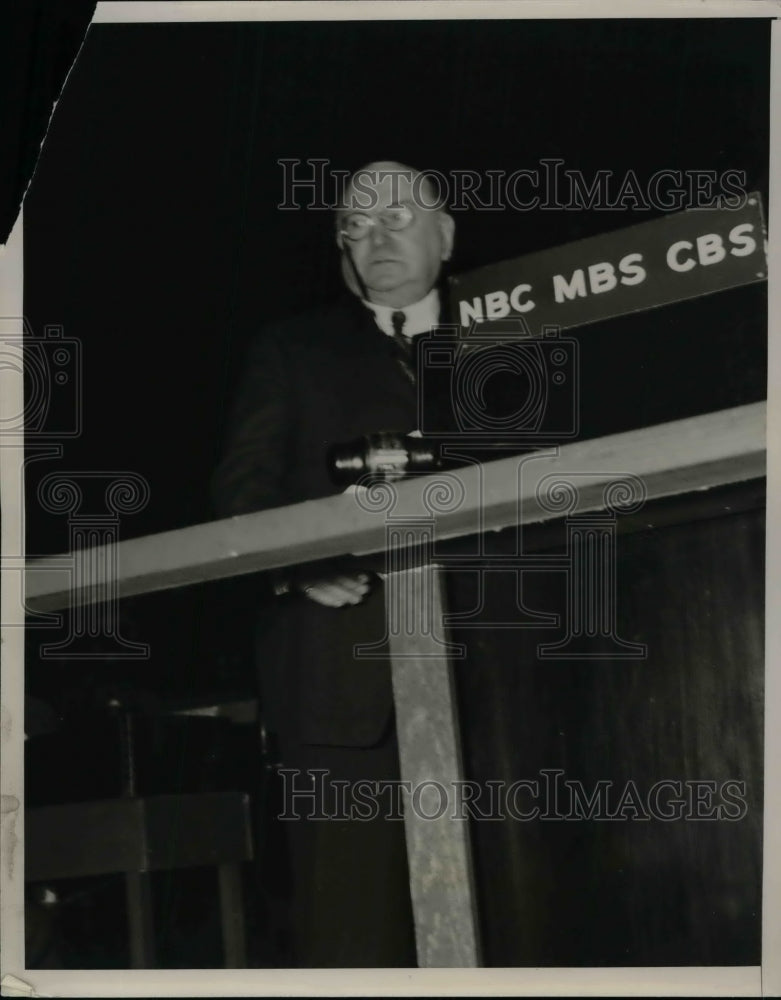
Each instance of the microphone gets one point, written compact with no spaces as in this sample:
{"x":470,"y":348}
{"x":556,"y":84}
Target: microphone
{"x":383,"y":455}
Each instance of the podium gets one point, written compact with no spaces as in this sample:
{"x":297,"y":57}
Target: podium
{"x":698,"y":453}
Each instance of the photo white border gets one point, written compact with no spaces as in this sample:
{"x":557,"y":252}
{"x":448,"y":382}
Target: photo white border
{"x":630,"y":981}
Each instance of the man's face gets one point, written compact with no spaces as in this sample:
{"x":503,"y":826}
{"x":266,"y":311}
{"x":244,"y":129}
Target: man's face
{"x":398,"y":266}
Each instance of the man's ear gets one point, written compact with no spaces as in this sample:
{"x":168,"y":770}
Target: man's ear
{"x":447,"y":229}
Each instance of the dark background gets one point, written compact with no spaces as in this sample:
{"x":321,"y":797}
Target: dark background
{"x":152,"y":235}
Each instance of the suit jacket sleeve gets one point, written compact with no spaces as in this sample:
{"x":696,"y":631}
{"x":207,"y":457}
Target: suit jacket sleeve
{"x":252,"y":473}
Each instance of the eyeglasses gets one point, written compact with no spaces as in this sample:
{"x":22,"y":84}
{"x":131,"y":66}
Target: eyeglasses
{"x":356,"y":225}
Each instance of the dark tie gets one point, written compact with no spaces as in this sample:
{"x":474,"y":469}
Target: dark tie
{"x":405,"y":346}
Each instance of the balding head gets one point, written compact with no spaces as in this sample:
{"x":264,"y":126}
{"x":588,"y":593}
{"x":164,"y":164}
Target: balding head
{"x":394,"y":225}
{"x":387,"y":181}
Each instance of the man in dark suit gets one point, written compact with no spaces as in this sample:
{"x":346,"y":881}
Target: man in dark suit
{"x":316,"y":380}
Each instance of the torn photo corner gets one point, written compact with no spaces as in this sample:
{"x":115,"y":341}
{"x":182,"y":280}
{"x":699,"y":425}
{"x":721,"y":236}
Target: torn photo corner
{"x":43,"y":44}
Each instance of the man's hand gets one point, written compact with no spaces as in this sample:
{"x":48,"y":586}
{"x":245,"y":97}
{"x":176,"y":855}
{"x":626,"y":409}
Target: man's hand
{"x":337,"y":591}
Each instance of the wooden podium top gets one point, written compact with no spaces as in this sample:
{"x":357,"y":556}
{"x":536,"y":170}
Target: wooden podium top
{"x":698,"y":453}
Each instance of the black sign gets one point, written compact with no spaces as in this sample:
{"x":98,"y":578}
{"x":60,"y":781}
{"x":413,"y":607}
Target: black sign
{"x":677,"y":257}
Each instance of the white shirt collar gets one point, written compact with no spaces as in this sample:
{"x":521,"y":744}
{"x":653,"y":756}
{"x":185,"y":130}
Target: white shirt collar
{"x":420,"y":316}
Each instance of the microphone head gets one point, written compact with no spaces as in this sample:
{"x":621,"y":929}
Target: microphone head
{"x":382,"y":456}
{"x":347,"y":462}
